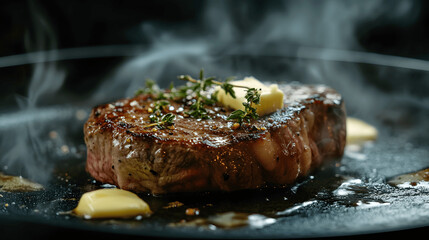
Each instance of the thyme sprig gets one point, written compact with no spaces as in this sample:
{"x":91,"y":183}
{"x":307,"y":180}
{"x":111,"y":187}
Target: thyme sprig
{"x":253,"y":96}
{"x":204,"y":83}
{"x":156,"y":111}
{"x":197,"y":91}
{"x":199,"y":87}
{"x":165,"y":121}
{"x":156,"y":117}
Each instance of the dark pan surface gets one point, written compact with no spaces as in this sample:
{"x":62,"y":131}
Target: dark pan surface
{"x":349,"y":199}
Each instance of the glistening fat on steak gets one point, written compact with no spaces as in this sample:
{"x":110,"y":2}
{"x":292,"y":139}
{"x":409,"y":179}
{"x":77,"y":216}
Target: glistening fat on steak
{"x":209,"y":154}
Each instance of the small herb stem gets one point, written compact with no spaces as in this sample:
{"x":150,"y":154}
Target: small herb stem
{"x":192,"y":80}
{"x":197,"y":104}
{"x":152,"y":125}
{"x":165,"y":120}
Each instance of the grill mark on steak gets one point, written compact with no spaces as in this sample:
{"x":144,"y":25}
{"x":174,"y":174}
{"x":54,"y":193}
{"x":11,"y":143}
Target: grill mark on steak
{"x":204,"y":155}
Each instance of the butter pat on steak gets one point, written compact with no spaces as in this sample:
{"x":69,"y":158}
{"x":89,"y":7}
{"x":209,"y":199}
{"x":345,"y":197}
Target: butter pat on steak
{"x":210,"y":155}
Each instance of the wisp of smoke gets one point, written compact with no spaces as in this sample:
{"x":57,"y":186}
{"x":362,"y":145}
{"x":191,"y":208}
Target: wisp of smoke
{"x":301,"y":30}
{"x":26,"y":151}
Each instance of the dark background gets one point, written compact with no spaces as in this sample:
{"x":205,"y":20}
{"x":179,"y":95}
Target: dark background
{"x":87,"y":23}
{"x":34,"y":26}
{"x":94,"y":23}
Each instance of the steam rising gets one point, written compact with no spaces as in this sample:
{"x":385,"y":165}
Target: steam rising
{"x":230,"y":40}
{"x":303,"y":30}
{"x":26,"y":151}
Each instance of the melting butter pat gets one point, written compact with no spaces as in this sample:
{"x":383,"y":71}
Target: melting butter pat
{"x":111,"y":203}
{"x":271,"y":96}
{"x":359,"y":131}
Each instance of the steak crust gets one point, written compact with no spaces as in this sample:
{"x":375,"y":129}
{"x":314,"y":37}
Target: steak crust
{"x":209,"y":155}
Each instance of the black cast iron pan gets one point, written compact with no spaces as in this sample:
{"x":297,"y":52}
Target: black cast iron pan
{"x":42,"y":140}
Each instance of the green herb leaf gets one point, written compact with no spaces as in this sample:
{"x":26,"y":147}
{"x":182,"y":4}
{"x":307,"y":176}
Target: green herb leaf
{"x":253,"y":96}
{"x":228,"y":88}
{"x":197,"y":110}
{"x":157,"y":118}
{"x":168,"y":119}
{"x":237,"y":115}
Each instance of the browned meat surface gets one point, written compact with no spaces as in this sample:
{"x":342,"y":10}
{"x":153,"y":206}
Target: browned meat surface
{"x":207,"y":155}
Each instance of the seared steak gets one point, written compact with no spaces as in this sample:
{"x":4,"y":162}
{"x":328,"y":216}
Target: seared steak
{"x":209,"y":154}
